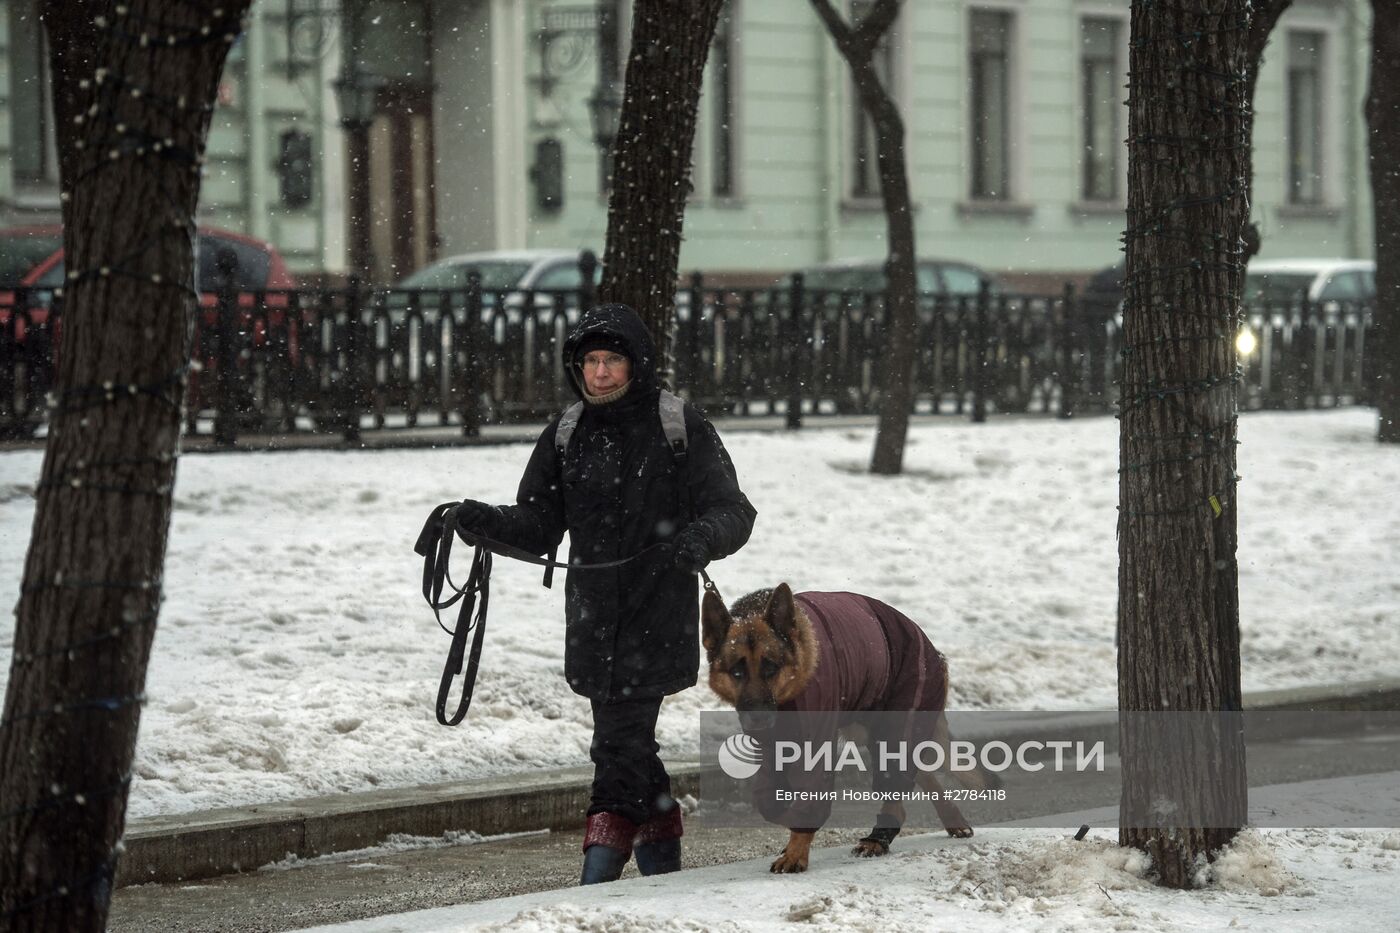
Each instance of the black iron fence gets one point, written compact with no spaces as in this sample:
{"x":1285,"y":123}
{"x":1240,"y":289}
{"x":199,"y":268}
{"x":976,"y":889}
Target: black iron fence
{"x":346,"y":360}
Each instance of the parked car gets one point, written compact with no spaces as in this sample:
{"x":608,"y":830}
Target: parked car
{"x":506,"y":276}
{"x":505,"y":270}
{"x":1275,"y":281}
{"x":1282,"y":281}
{"x":932,"y":276}
{"x":260,"y":268}
{"x":23,"y":248}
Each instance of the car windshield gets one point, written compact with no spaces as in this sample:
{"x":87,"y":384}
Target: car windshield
{"x":495,"y":276}
{"x":1270,"y":287}
{"x":843,"y":278}
{"x":254,"y":265}
{"x":21,"y":252}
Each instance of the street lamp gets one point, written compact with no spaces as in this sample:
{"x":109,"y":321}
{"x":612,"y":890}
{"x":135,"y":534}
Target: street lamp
{"x":604,"y":111}
{"x":605,"y":106}
{"x":357,"y":93}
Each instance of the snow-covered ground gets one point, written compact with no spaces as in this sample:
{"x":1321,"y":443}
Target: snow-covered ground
{"x":295,"y":656}
{"x":1000,"y":881}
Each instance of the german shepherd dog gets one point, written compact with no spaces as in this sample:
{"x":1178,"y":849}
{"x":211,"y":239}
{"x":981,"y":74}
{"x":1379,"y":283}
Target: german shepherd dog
{"x":764,"y":654}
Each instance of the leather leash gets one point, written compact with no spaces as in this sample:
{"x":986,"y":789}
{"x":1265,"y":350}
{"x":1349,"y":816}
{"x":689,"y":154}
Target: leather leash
{"x":434,"y":544}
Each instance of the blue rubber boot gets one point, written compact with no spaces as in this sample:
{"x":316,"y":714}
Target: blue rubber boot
{"x":658,"y":846}
{"x":602,"y":863}
{"x":607,"y":847}
{"x":659,"y":858}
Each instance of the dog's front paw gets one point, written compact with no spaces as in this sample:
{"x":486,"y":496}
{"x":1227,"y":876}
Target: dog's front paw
{"x":789,"y":863}
{"x":960,"y":832}
{"x":870,"y":848}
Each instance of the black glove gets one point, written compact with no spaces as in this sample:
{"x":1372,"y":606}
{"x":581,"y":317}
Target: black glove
{"x":690,"y":550}
{"x":478,"y":518}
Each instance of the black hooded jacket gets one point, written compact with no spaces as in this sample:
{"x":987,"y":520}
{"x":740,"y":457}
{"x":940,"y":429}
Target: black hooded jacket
{"x":631,"y":631}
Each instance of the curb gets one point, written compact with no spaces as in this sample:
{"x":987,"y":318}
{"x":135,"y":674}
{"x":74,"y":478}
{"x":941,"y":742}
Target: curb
{"x":190,"y":846}
{"x":526,"y":432}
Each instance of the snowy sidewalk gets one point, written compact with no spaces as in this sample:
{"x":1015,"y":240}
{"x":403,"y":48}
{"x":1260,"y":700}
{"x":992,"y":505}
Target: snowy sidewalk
{"x":185,"y":846}
{"x":1000,"y":880}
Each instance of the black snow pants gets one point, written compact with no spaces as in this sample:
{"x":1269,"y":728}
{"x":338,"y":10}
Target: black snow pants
{"x":628,"y":776}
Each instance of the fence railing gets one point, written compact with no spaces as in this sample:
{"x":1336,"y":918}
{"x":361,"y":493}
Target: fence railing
{"x":346,"y":360}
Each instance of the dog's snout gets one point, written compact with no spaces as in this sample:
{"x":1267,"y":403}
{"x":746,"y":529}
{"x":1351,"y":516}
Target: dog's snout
{"x":757,"y":720}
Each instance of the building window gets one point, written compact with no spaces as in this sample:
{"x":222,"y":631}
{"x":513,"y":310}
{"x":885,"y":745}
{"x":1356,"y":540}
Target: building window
{"x":865,"y":167}
{"x":1099,"y":44}
{"x":990,"y":69}
{"x":34,"y":155}
{"x":1305,"y":125}
{"x":723,"y":148}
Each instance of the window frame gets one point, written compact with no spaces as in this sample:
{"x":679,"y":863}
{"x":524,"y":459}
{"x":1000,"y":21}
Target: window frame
{"x":1291,"y":193}
{"x":47,"y":181}
{"x":1119,"y":15}
{"x":1332,"y":165}
{"x":1015,"y":106}
{"x":707,"y":124}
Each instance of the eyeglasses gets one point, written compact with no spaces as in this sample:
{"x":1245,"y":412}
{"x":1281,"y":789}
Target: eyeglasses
{"x":611,"y":361}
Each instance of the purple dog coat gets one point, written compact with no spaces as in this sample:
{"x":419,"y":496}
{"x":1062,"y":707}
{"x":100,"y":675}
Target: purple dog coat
{"x":871,"y":658}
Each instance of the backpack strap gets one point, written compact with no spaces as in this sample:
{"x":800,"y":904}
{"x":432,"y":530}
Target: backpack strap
{"x":672,"y":410}
{"x":563,"y":433}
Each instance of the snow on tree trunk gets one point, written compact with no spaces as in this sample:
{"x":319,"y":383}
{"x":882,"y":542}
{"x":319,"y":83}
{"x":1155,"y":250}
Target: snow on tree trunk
{"x":1383,"y":128}
{"x":135,"y":83}
{"x":651,"y":158}
{"x":1178,"y":609}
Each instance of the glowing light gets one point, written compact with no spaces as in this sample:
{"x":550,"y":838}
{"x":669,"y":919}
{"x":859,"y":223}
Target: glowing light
{"x":1245,"y":342}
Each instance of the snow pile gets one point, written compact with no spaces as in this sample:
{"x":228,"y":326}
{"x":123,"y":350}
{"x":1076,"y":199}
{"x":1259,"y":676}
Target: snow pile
{"x":1248,"y":864}
{"x":295,"y":656}
{"x":990,"y":875}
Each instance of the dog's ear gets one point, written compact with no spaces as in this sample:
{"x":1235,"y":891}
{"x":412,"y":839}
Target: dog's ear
{"x":714,"y":622}
{"x":781,"y":612}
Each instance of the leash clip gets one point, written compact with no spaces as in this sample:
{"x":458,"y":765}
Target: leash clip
{"x":710,"y":585}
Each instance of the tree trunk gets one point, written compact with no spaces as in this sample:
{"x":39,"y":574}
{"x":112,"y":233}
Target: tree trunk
{"x":901,"y":296}
{"x":1383,"y":128}
{"x":1178,"y":609}
{"x":133,"y":112}
{"x":651,"y":159}
{"x":857,"y":46}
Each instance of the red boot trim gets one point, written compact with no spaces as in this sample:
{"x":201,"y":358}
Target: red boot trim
{"x":661,"y":827}
{"x":610,"y":829}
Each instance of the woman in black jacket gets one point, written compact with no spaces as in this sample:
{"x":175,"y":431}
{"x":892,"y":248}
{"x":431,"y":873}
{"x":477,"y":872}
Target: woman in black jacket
{"x":631,"y":632}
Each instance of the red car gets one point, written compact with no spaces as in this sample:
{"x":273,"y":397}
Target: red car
{"x":31,"y":258}
{"x":260,"y":268}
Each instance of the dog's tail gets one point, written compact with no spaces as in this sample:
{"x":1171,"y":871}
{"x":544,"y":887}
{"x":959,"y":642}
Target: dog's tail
{"x":976,"y":778}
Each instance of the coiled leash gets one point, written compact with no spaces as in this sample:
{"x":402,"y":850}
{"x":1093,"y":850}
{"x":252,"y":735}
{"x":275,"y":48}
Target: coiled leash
{"x":434,"y":545}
